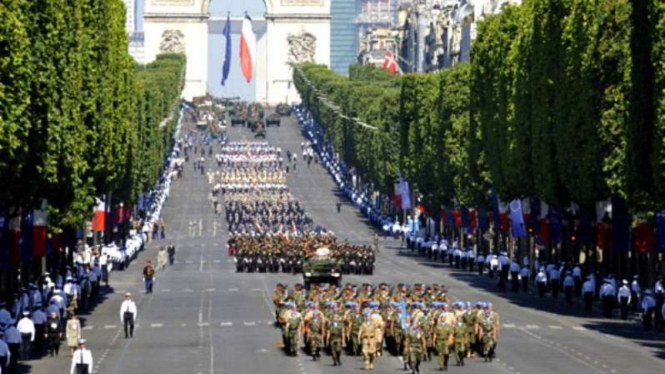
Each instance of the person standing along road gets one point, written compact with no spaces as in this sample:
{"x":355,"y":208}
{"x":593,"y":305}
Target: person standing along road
{"x":53,"y":335}
{"x":587,"y":294}
{"x":569,"y":287}
{"x":541,"y":281}
{"x":648,"y":305}
{"x":39,"y":319}
{"x":103,"y":263}
{"x":339,"y":205}
{"x":148,"y":276}
{"x":27,"y":329}
{"x":171,"y":252}
{"x":128,"y":314}
{"x":623,"y":297}
{"x":162,"y":258}
{"x":13,"y":340}
{"x":82,"y":360}
{"x":73,"y":333}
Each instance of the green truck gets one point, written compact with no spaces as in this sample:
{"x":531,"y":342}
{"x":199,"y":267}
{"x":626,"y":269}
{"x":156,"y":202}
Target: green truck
{"x":321,"y":267}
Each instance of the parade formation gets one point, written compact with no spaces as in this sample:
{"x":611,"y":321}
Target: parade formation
{"x":269,"y":230}
{"x":415,"y":323}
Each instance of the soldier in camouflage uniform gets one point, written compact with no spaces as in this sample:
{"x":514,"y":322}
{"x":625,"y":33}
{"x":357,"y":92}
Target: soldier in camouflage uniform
{"x":443,"y":339}
{"x":315,"y":332}
{"x":335,"y":339}
{"x":414,"y":347}
{"x":294,"y":326}
{"x":470,"y":320}
{"x":460,"y":334}
{"x":488,"y":336}
{"x":353,"y":322}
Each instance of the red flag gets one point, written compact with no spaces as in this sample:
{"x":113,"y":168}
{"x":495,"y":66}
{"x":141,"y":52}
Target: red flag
{"x":389,"y":63}
{"x":15,"y":239}
{"x":643,"y":237}
{"x":39,"y":231}
{"x":247,"y":49}
{"x":98,"y":222}
{"x":473,"y":217}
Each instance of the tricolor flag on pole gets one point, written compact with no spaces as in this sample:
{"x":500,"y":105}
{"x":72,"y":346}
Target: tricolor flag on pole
{"x":227,"y":54}
{"x":99,"y":219}
{"x":390,"y":63}
{"x":247,"y":48}
{"x":39,"y":232}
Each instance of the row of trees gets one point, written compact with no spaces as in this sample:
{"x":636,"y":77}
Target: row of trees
{"x":78,"y":117}
{"x":563,"y":101}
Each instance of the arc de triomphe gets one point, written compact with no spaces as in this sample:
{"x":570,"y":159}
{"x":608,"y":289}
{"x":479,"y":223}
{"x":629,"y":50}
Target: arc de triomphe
{"x":291,"y":31}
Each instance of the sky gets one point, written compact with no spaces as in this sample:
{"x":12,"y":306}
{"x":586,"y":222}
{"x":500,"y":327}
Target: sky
{"x":235,"y":85}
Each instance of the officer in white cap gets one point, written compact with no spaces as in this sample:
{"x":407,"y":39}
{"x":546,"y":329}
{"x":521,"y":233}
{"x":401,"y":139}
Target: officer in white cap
{"x":623,"y":297}
{"x":648,"y":306}
{"x":128,"y":314}
{"x":82,"y":359}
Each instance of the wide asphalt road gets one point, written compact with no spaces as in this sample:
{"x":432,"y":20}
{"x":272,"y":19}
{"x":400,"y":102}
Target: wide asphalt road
{"x":205,"y":318}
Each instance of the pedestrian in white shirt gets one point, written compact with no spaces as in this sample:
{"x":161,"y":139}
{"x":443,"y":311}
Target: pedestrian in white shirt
{"x":82,"y":360}
{"x":128,"y":314}
{"x":27,"y":329}
{"x":623,"y":297}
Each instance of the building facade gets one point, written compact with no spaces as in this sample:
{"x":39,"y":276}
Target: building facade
{"x":343,"y":35}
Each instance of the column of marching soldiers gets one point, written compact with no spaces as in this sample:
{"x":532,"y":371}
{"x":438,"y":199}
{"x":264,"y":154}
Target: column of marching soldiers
{"x":414,"y":323}
{"x":270,"y":231}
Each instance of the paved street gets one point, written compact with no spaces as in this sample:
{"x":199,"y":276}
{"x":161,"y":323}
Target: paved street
{"x":205,"y":318}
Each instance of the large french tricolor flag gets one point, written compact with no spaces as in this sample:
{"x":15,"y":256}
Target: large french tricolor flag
{"x":247,"y":49}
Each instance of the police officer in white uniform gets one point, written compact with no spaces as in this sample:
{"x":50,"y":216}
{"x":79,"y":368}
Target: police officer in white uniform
{"x":128,"y":314}
{"x":623,"y":297}
{"x":569,"y":287}
{"x":82,"y":360}
{"x":541,"y":281}
{"x":588,"y":291}
{"x":648,"y":305}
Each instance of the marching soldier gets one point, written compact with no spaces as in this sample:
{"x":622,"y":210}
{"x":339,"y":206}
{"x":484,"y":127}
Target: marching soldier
{"x":367,"y":335}
{"x":489,"y":338}
{"x":294,"y":327}
{"x":443,"y":338}
{"x":460,"y":340}
{"x":315,"y":332}
{"x":353,"y":323}
{"x":414,"y":347}
{"x":335,"y":339}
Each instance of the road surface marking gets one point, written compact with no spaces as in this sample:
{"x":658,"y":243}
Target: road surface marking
{"x":579,"y":328}
{"x":166,"y":290}
{"x":555,"y":327}
{"x":226,"y":324}
{"x":216,"y":261}
{"x":532,"y":327}
{"x":108,"y":327}
{"x":187,"y":290}
{"x":157,"y":325}
{"x":233,"y":290}
{"x":249,"y":323}
{"x":204,"y":324}
{"x":230,"y":260}
{"x":256,"y":289}
{"x":88,"y":328}
{"x":509,"y":325}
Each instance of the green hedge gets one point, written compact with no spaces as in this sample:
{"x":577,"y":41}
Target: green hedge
{"x":78,"y":117}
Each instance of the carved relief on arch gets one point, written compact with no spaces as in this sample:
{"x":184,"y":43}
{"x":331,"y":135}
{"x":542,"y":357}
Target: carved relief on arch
{"x":173,"y":41}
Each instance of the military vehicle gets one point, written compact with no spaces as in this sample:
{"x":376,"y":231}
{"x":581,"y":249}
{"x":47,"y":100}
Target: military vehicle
{"x":283,"y":109}
{"x":255,"y":113}
{"x":273,"y":119}
{"x":321,"y":267}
